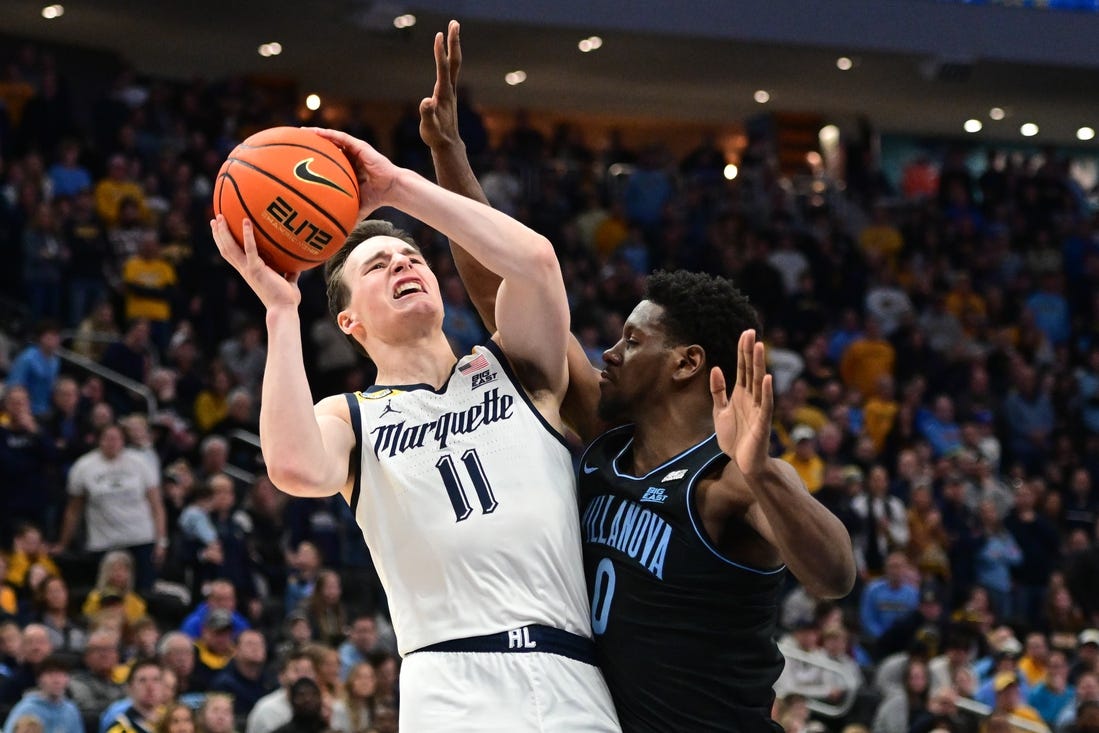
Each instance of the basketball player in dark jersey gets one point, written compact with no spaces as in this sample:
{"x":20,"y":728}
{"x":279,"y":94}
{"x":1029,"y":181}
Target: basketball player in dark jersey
{"x":688,"y":524}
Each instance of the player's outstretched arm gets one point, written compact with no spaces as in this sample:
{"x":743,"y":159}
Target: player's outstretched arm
{"x":811,"y":540}
{"x":306,"y":453}
{"x":439,"y":131}
{"x":532,"y":314}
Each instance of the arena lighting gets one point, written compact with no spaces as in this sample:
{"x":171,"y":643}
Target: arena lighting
{"x":731,"y":171}
{"x":996,"y":113}
{"x":829,"y":135}
{"x":270,"y":49}
{"x":404,"y":21}
{"x":762,"y":96}
{"x":53,"y":11}
{"x":973,"y":125}
{"x":1029,"y":129}
{"x":313,"y":102}
{"x":591,"y":43}
{"x":1085,"y":133}
{"x":843,"y":63}
{"x":515,"y":77}
{"x":813,"y":158}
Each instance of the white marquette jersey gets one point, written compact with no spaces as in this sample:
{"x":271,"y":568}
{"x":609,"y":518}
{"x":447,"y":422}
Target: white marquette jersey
{"x":466,"y":497}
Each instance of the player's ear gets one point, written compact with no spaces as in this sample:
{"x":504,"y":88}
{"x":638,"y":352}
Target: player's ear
{"x":347,"y":322}
{"x":690,"y":361}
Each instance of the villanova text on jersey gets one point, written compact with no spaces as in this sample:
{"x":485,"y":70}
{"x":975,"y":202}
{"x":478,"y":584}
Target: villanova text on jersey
{"x":398,"y":437}
{"x":684,"y":635}
{"x":636,"y":532}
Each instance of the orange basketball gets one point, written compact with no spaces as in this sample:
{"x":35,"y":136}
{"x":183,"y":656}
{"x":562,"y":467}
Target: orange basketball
{"x":298,"y":189}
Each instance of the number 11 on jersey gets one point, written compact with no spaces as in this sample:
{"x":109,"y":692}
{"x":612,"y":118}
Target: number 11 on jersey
{"x":456,"y":491}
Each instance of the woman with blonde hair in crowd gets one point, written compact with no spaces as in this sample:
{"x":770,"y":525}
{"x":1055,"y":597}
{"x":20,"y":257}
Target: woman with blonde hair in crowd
{"x":325,"y":609}
{"x":354,"y":710}
{"x":216,"y":714}
{"x":115,"y":581}
{"x":326,"y":660}
{"x":177,"y":718}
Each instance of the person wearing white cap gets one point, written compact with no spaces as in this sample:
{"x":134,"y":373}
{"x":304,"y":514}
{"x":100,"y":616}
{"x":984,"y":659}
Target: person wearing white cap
{"x":804,"y":458}
{"x":1087,"y":654}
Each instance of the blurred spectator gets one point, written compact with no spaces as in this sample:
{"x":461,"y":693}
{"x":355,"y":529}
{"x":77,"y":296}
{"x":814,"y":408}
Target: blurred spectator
{"x":243,"y":677}
{"x":867,"y":358}
{"x":220,"y":595}
{"x":176,"y":655}
{"x":362,"y":644}
{"x":306,"y":709}
{"x":177,"y":718}
{"x":925,"y":625}
{"x":214,"y":648}
{"x":115,"y":583}
{"x":146,"y":696}
{"x":216,"y":714}
{"x":804,"y":457}
{"x":1009,"y":700}
{"x":304,"y":567}
{"x":273,"y":710}
{"x":884,"y":519}
{"x":51,"y":609}
{"x":1087,"y":692}
{"x":898,"y":711}
{"x":119,"y":500}
{"x":47,"y":702}
{"x":326,"y":610}
{"x":116,"y":188}
{"x":34,"y":649}
{"x":356,"y":707}
{"x":1052,"y":695}
{"x":25,"y":454}
{"x":37,"y":366}
{"x":997,"y":554}
{"x":93,"y":688}
{"x":149,"y":283}
{"x":889,"y":598}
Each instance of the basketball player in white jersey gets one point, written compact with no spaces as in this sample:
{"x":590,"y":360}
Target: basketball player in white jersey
{"x":455,"y":469}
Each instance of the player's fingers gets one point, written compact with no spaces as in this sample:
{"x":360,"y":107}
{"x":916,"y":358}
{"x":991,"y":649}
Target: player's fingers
{"x":250,"y":249}
{"x":454,"y":51}
{"x":442,"y":65}
{"x":767,"y":401}
{"x":226,"y":244}
{"x":717,"y":388}
{"x":741,"y":371}
{"x":749,"y":347}
{"x":759,"y":369}
{"x":427,"y":107}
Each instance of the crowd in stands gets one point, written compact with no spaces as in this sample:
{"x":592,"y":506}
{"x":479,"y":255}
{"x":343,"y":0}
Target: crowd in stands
{"x":935,"y":348}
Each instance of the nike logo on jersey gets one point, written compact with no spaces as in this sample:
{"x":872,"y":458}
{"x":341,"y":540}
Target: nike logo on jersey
{"x":303,"y":173}
{"x":589,"y":469}
{"x":674,"y":475}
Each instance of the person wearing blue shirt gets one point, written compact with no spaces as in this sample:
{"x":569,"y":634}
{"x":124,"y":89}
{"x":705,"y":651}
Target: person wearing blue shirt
{"x":220,"y":595}
{"x":939,"y":427}
{"x":48,"y":702}
{"x":1050,"y":309}
{"x":888,"y":598}
{"x":1051,"y":696}
{"x":36,"y":367}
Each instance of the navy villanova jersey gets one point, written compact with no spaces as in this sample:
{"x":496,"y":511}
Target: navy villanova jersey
{"x":684,"y":636}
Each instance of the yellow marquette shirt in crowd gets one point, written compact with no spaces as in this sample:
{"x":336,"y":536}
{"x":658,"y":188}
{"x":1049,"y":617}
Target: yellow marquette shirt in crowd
{"x":154,"y":274}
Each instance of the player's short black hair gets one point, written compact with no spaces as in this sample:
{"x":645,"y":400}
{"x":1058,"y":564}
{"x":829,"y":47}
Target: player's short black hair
{"x":706,"y":310}
{"x":338,"y":293}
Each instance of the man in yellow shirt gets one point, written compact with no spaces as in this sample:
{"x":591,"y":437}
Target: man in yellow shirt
{"x":110,"y":192}
{"x":867,"y":359}
{"x":1008,"y":702}
{"x":149,"y":282}
{"x":804,"y":457}
{"x":27,"y":550}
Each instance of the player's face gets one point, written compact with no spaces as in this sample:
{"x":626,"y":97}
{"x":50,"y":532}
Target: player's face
{"x":394,"y":294}
{"x":637,"y":366}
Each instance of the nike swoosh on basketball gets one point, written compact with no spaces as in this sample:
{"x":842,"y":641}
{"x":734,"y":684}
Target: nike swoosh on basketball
{"x":590,"y":469}
{"x":302,"y":172}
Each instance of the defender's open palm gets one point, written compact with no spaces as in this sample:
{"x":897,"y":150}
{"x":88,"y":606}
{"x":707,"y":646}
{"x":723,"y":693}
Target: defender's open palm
{"x":743,"y":420}
{"x":439,"y":112}
{"x":273,"y":288}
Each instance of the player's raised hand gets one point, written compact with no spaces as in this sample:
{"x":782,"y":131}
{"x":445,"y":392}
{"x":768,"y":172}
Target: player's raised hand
{"x":439,"y":112}
{"x":376,"y":173}
{"x":743,"y":420}
{"x":272,"y":288}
